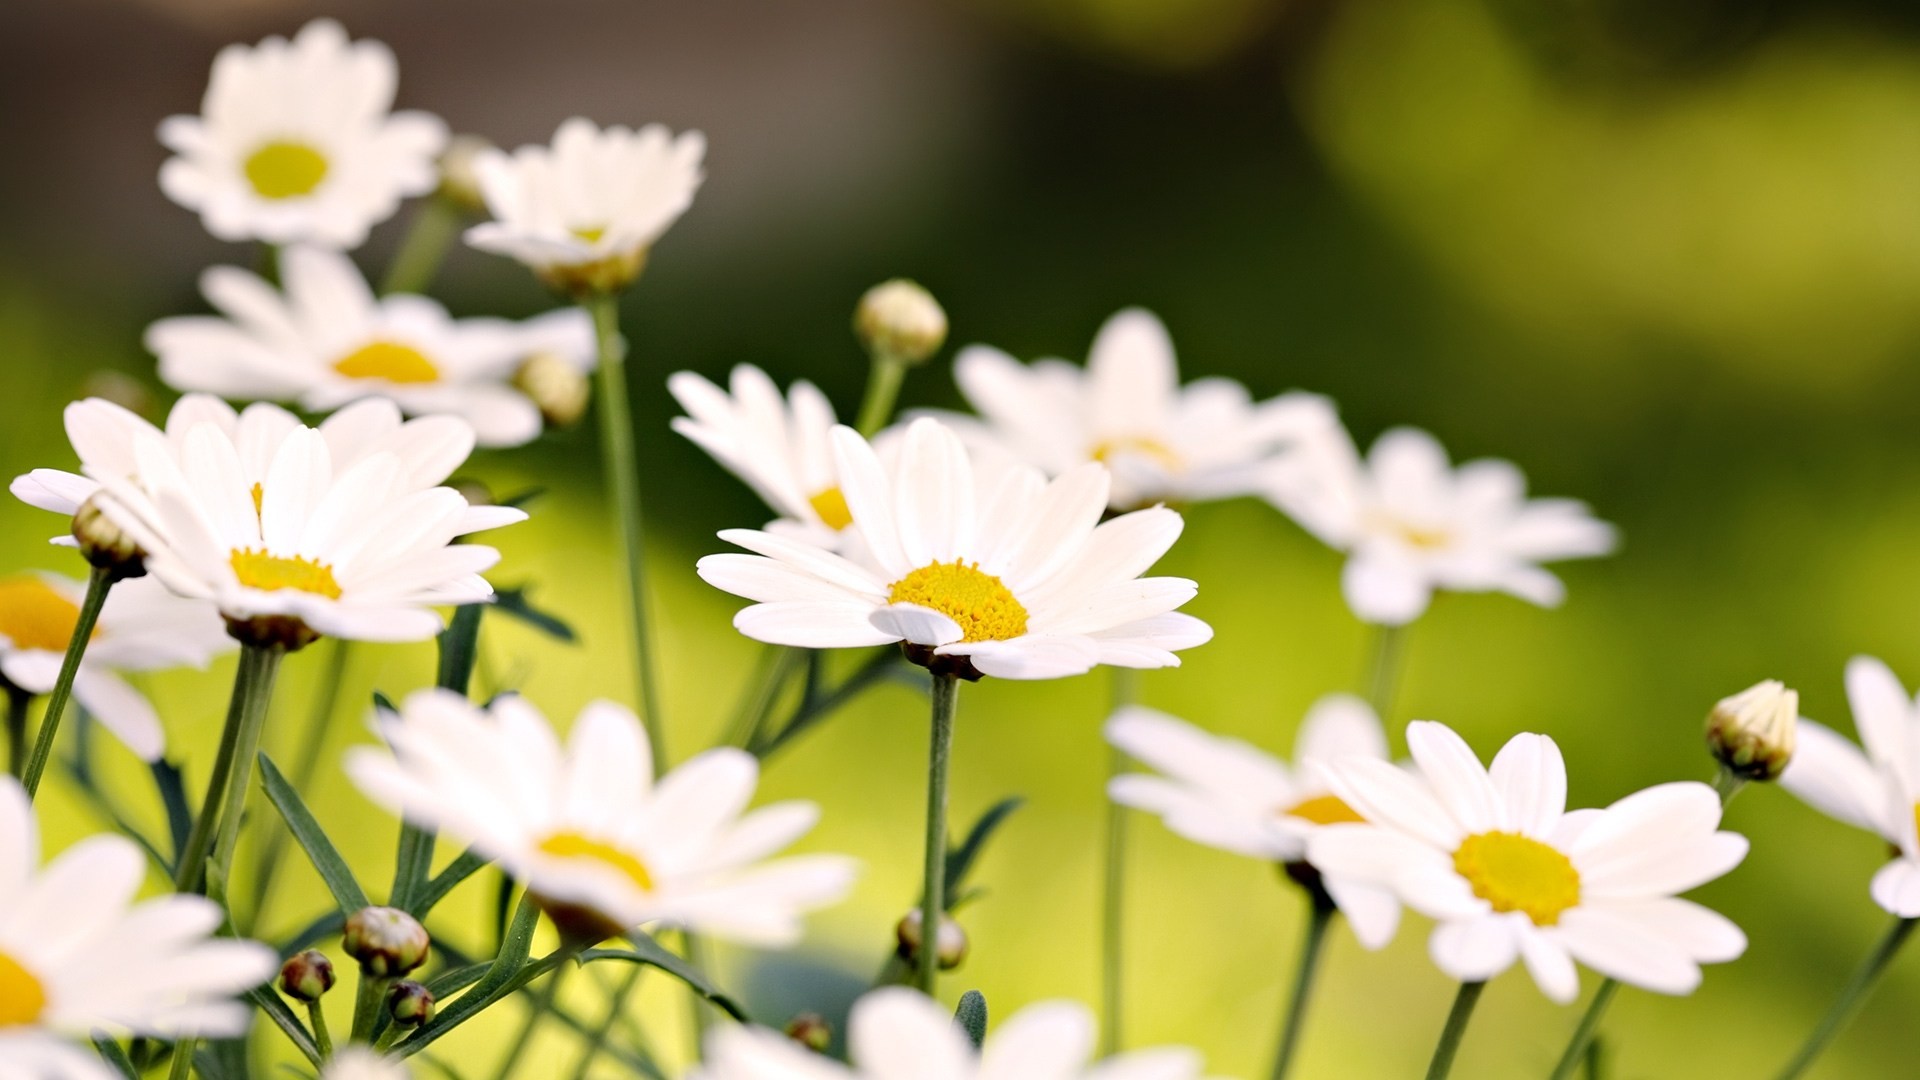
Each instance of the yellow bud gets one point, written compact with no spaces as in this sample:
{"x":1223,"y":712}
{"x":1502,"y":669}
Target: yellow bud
{"x":1751,"y":733}
{"x":104,"y":543}
{"x":559,"y":389}
{"x":459,"y":179}
{"x":900,"y":321}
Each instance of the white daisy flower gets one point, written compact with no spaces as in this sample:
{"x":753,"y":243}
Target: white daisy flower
{"x":1127,"y":410}
{"x":1227,"y":794}
{"x":324,"y":340}
{"x":78,"y":955}
{"x":603,"y":847}
{"x":296,"y":143}
{"x":143,"y":627}
{"x":360,"y":1063}
{"x":1878,"y":790}
{"x":1016,"y":578}
{"x":583,"y":212}
{"x":1494,"y":855}
{"x":1411,"y":523}
{"x":901,"y":1034}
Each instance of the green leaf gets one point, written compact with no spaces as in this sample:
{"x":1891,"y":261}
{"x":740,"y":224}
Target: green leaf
{"x":961,"y":858}
{"x":459,"y":648}
{"x":508,"y":972}
{"x":277,"y":1011}
{"x":383,"y":702}
{"x":468,"y":864}
{"x":412,"y":859}
{"x":520,"y":500}
{"x":518,"y":603}
{"x":972,"y":1016}
{"x":313,"y":840}
{"x":650,"y":952}
{"x":111,"y":1053}
{"x":173,"y":795}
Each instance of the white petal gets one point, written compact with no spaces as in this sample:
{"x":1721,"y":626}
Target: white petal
{"x":1531,"y":777}
{"x":1475,"y":950}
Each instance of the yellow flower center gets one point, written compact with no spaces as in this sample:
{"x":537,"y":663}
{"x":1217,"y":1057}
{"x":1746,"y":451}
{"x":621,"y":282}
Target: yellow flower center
{"x":1106,"y":450}
{"x":257,"y":569}
{"x":831,"y":505}
{"x":1518,"y":873}
{"x":34,"y":616}
{"x":22,"y":998}
{"x":388,"y":361}
{"x":1323,"y":810}
{"x":589,"y":234}
{"x":984,"y":607}
{"x":284,"y":170}
{"x":572,"y":845}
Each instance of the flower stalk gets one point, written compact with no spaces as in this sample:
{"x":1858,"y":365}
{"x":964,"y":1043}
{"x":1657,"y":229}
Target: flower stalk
{"x":1852,"y":997}
{"x":1456,"y":1029}
{"x":99,"y":583}
{"x":933,"y":900}
{"x":232,"y":769}
{"x":1320,"y":912}
{"x":435,"y":224}
{"x":306,"y":762}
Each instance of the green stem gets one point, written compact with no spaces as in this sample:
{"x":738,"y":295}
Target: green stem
{"x":1851,"y":998}
{"x":98,"y":585}
{"x":306,"y":763}
{"x":18,"y":701}
{"x":1449,"y":1045}
{"x":1727,"y":784}
{"x":1320,"y":916}
{"x":371,"y":995}
{"x":810,"y":713}
{"x":1583,"y":1034}
{"x":542,"y":1005}
{"x":226,"y":787}
{"x":182,"y":1066}
{"x":617,"y":454}
{"x":695,"y":950}
{"x":777,"y":665}
{"x":933,"y":901}
{"x":322,"y":1038}
{"x":1383,"y":673}
{"x":435,"y":224}
{"x":254,"y":719}
{"x":883,"y":389}
{"x":1126,"y":689}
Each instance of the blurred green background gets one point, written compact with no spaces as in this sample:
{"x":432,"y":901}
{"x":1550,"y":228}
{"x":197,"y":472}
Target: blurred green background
{"x":1665,"y":255}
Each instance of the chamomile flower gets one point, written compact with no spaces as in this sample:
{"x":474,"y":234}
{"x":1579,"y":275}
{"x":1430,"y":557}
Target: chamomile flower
{"x":324,"y":340}
{"x":583,"y":212}
{"x":143,"y":627}
{"x":79,"y":956}
{"x":1127,"y":410}
{"x":296,"y":142}
{"x":901,"y":1034}
{"x":778,"y":446}
{"x":1410,"y":523}
{"x":602,"y":846}
{"x":1878,"y":790}
{"x":360,"y":1063}
{"x":1227,"y":794}
{"x":1510,"y":874}
{"x":1017,"y":578}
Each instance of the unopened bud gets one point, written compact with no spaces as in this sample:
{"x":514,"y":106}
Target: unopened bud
{"x":386,"y":941}
{"x":1751,"y":733}
{"x":105,"y":544}
{"x":410,"y":1003}
{"x":558,"y":389}
{"x":900,"y":321}
{"x":812,"y":1031}
{"x":459,"y":179}
{"x":306,"y":976}
{"x":949,"y":949}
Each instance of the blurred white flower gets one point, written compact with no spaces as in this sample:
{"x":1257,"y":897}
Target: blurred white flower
{"x":325,"y":340}
{"x":1227,"y":794}
{"x":583,"y":212}
{"x":1016,"y":578}
{"x":1411,"y":523}
{"x":1127,"y":410}
{"x":360,"y":1063}
{"x":1494,"y":855}
{"x":295,"y":142}
{"x":901,"y":1034}
{"x":1878,"y":790}
{"x":79,"y":956}
{"x":599,"y":843}
{"x":143,"y":627}
{"x":778,"y":446}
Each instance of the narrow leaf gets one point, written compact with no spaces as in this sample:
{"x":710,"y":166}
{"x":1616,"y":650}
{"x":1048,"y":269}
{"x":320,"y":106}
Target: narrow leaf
{"x":972,"y":1017}
{"x":173,"y":795}
{"x":312,"y":839}
{"x":112,"y":1054}
{"x":468,"y":864}
{"x":960,"y":859}
{"x":277,"y":1011}
{"x":650,"y":952}
{"x":517,"y":603}
{"x":508,"y":972}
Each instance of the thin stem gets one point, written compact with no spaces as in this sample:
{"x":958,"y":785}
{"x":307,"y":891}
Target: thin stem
{"x":98,"y":585}
{"x":252,"y":686}
{"x":810,"y":713}
{"x":1383,"y":672}
{"x":883,"y":389}
{"x":777,"y":665}
{"x":933,"y":901}
{"x":1851,"y":998}
{"x":542,"y":1005}
{"x":322,"y":1038}
{"x":1450,"y":1035}
{"x":435,"y":224}
{"x":1727,"y":784}
{"x":694,"y":950}
{"x":372,"y":994}
{"x":1583,"y":1034}
{"x":617,"y":456}
{"x":253,"y":719}
{"x":1320,"y":916}
{"x":182,"y":1066}
{"x":18,"y":701}
{"x":1126,"y":689}
{"x":1596,"y":1060}
{"x":306,"y":763}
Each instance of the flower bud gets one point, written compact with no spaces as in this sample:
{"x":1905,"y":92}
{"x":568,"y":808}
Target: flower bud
{"x":410,"y":1003}
{"x":557,"y":388}
{"x":459,"y":178}
{"x":812,"y":1031}
{"x":949,"y":950}
{"x":900,"y":321}
{"x":104,"y":543}
{"x":306,"y":976}
{"x":1751,"y":733}
{"x":386,"y":941}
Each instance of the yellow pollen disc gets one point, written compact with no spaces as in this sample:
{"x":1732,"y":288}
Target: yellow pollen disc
{"x":572,"y":845}
{"x":1518,"y":873}
{"x":34,"y":616}
{"x":22,"y":998}
{"x":286,"y":170}
{"x":984,"y":607}
{"x":388,"y":361}
{"x":257,"y":569}
{"x":832,"y":508}
{"x":1323,"y":810}
{"x":1106,"y":450}
{"x":590,"y":234}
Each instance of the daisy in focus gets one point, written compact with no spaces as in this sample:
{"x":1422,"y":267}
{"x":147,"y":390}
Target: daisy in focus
{"x":583,"y":212}
{"x":296,"y":142}
{"x":1878,"y":790}
{"x":901,"y":1034}
{"x":142,"y":628}
{"x":1127,"y":410}
{"x":1410,"y":523}
{"x":1230,"y":795}
{"x":601,"y":846}
{"x":80,"y":957}
{"x":1510,"y":874}
{"x":325,"y":340}
{"x":1016,"y":578}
